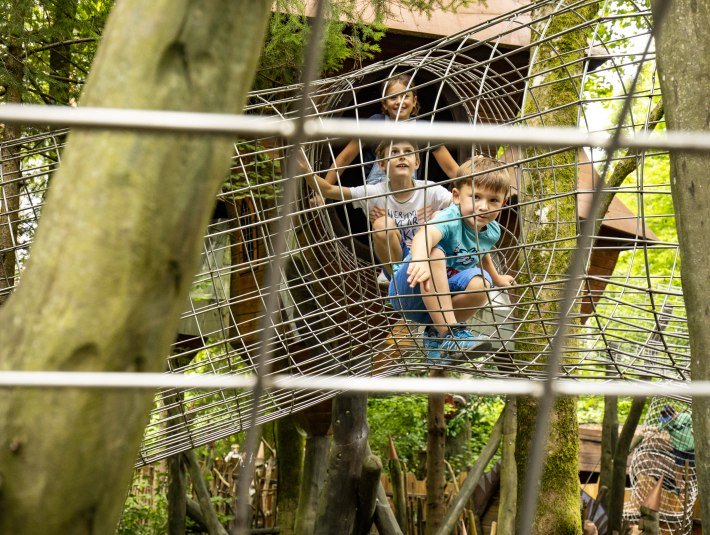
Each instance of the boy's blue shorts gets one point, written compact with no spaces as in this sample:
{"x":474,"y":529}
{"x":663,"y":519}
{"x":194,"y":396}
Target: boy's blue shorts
{"x":409,"y":301}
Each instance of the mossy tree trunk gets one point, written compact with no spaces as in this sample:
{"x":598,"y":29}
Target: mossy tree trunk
{"x":290,"y":443}
{"x":683,"y":48}
{"x":549,"y":227}
{"x":114,"y":257}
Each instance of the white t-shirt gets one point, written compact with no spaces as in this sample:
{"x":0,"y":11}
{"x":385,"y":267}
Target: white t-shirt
{"x":409,"y":214}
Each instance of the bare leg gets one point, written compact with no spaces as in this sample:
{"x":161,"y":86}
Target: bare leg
{"x":386,"y":241}
{"x":466,"y":304}
{"x":438,"y":301}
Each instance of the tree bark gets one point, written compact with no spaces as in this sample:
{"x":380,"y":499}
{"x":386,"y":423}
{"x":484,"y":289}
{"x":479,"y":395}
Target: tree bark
{"x":289,"y":448}
{"x":469,"y":485}
{"x":385,"y":520}
{"x":214,"y":527}
{"x":14,"y":72}
{"x":684,"y":66}
{"x":435,"y":468}
{"x":177,"y":495}
{"x":556,"y":70}
{"x":610,"y":435}
{"x":114,"y":257}
{"x":367,"y":494}
{"x":336,"y":510}
{"x":314,"y":474}
{"x":507,"y":505}
{"x":621,"y":454}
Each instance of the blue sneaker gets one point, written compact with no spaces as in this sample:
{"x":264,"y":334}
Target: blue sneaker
{"x":462,"y":344}
{"x":432,"y":339}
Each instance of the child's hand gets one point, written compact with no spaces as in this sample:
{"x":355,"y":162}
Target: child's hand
{"x":504,"y":280}
{"x":316,"y":200}
{"x":419,"y":273}
{"x":377,"y":213}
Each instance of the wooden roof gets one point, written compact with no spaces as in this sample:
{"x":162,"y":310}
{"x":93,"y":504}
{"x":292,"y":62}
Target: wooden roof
{"x":442,"y":24}
{"x":619,"y":222}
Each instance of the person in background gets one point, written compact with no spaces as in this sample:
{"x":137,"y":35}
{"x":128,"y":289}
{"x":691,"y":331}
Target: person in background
{"x":399,"y":103}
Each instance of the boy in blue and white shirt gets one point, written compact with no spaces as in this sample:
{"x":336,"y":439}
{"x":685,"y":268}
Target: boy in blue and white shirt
{"x":442,"y":282}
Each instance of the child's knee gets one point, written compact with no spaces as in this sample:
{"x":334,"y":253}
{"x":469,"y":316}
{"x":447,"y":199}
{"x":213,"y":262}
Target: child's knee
{"x":383,"y":226}
{"x":478,"y":282}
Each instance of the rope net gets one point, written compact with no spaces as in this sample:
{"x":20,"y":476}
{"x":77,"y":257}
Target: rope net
{"x":334,"y":317}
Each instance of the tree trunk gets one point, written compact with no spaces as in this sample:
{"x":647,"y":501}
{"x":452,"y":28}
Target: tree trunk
{"x":14,"y":72}
{"x":114,"y":257}
{"x":435,"y":468}
{"x":290,"y":443}
{"x":507,"y":505}
{"x":214,"y":527}
{"x":610,"y":434}
{"x":176,"y":495}
{"x":367,"y":494}
{"x":684,"y":66}
{"x":621,"y":454}
{"x":314,"y":474}
{"x":336,"y":510}
{"x":555,"y":73}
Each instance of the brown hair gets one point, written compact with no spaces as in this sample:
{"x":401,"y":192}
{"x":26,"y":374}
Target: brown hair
{"x":383,"y":148}
{"x":489,"y":174}
{"x":407,"y":81}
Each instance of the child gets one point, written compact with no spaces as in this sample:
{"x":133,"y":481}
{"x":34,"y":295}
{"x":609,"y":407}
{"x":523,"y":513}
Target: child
{"x":399,"y":103}
{"x":441,"y":283}
{"x":402,"y":203}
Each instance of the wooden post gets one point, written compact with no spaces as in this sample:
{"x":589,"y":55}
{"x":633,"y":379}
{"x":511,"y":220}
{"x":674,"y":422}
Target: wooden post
{"x":399,"y":490}
{"x":367,"y":494}
{"x":435,"y":470}
{"x":509,"y":471}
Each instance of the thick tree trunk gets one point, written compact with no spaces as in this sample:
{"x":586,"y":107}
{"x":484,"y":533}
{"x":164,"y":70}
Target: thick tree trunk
{"x":290,"y":444}
{"x":556,"y":69}
{"x":113,"y":259}
{"x":435,"y":468}
{"x":336,"y":510}
{"x":314,"y":474}
{"x":684,"y":65}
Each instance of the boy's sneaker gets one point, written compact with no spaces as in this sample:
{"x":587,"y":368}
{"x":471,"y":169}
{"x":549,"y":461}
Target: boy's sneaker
{"x":432,"y":339}
{"x":458,"y":344}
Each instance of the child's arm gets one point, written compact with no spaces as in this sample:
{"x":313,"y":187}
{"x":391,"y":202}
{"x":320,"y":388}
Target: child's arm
{"x":498,"y":279}
{"x":446,"y":161}
{"x":419,"y":270}
{"x":346,"y":156}
{"x":329,"y":191}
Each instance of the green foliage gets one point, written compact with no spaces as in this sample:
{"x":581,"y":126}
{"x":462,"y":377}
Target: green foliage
{"x":145,"y":511}
{"x":56,"y":43}
{"x":404,"y":418}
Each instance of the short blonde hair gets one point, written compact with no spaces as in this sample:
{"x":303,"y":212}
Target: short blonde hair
{"x":489,"y":174}
{"x":383,"y":148}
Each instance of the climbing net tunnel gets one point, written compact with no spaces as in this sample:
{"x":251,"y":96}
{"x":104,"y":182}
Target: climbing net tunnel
{"x":628,"y":321}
